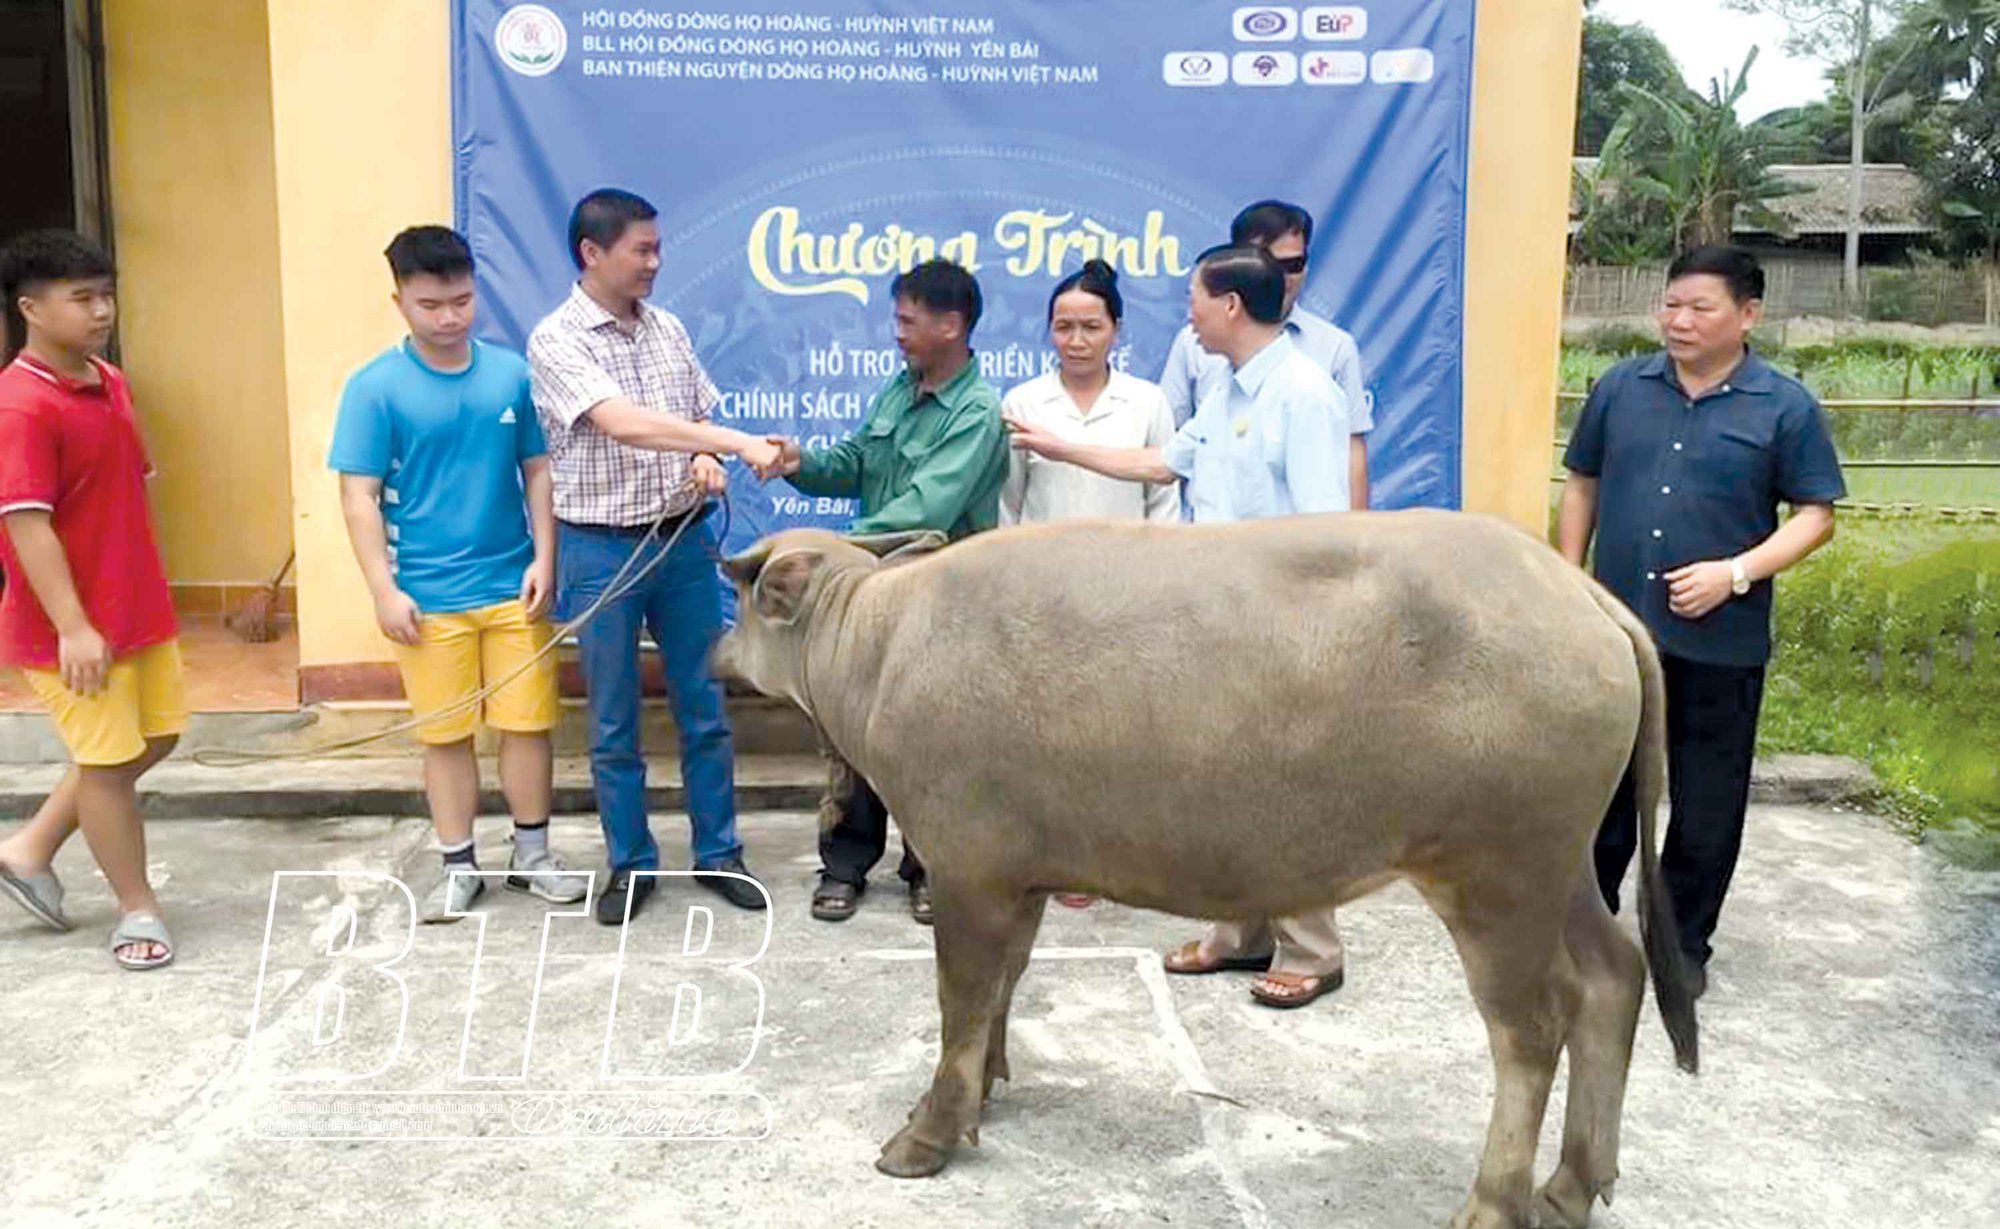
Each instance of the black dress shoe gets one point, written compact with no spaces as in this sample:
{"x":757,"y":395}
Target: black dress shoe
{"x":611,"y":905}
{"x":739,"y":892}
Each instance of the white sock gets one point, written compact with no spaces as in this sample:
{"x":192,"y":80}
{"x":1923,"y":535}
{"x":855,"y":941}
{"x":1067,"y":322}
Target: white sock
{"x":530,"y":843}
{"x":460,"y":854}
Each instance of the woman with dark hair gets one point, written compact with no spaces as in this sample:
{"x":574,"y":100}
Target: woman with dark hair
{"x":1271,"y":440}
{"x":1085,"y":401}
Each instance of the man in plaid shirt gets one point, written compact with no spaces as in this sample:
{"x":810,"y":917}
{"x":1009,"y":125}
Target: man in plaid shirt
{"x":625,"y":404}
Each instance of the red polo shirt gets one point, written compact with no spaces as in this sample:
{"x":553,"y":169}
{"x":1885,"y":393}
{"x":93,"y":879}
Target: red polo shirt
{"x":73,"y":450}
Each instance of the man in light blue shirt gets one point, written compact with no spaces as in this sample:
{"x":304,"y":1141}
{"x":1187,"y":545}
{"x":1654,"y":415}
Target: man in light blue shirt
{"x":1269,"y":441}
{"x":1266,"y":441}
{"x":1191,"y":373}
{"x":445,"y":487}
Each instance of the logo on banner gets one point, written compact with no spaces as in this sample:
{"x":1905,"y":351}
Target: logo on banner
{"x":1335,"y":24}
{"x":1264,"y":68}
{"x":1334,"y":68}
{"x":1195,"y":68}
{"x":1411,"y":66}
{"x":1267,"y":25}
{"x":530,"y":40}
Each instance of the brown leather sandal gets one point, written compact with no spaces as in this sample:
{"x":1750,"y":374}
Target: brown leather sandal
{"x":834,"y":901}
{"x":1187,"y":961}
{"x":1295,"y":990}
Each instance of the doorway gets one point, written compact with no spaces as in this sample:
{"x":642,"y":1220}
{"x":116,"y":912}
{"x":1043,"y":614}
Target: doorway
{"x":52,"y":91}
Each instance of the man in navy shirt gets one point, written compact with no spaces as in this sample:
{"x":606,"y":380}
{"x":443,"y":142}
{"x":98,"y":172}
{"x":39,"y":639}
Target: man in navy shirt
{"x":1677,"y":464}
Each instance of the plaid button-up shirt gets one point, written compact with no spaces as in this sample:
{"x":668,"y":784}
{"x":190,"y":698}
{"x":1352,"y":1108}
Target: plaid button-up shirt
{"x":578,"y":356}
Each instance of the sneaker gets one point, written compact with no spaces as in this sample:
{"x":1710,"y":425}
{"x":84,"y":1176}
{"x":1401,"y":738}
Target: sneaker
{"x":546,"y":875}
{"x":452,"y":896}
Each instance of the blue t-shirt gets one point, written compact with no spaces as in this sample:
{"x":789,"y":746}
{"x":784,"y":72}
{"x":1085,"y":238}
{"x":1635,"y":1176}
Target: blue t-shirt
{"x":448,"y":447}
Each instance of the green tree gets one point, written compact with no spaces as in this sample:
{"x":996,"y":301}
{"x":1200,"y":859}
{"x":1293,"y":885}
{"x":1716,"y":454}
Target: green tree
{"x":1619,"y":223}
{"x":1614,"y":52}
{"x":1819,"y":131}
{"x":1700,"y":164}
{"x":1963,"y":179}
{"x":1931,"y":58}
{"x":1845,"y":34}
{"x":1953,"y":67}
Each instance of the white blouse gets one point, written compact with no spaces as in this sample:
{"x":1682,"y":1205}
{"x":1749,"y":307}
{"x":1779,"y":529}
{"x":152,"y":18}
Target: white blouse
{"x":1129,"y":413}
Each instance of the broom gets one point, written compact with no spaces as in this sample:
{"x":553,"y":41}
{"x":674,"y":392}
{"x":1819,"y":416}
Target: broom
{"x":254,"y":621}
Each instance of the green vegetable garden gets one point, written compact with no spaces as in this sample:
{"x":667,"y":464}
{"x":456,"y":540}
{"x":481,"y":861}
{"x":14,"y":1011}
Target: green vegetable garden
{"x":1888,"y":639}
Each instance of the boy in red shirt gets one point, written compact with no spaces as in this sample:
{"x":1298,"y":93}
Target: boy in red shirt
{"x":85,"y":614}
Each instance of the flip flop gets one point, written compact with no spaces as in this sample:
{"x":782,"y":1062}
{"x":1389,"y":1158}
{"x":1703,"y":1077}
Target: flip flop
{"x":1186,"y":961}
{"x":140,"y":928}
{"x":1308,"y":989}
{"x":1075,"y":900}
{"x":41,"y":895}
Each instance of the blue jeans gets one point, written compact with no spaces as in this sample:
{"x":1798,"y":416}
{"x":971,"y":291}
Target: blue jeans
{"x":680,"y":603}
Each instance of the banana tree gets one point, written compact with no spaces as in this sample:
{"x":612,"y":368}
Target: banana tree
{"x":1701,"y":164}
{"x":1987,"y":223}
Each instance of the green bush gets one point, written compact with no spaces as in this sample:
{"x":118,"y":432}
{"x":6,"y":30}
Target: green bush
{"x":1618,"y":340}
{"x":1900,"y":295}
{"x":1888,"y":650}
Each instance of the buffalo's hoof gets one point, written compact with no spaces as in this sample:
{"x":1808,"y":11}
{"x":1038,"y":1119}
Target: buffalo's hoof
{"x":906,"y":1156}
{"x":1479,"y":1215}
{"x":1565,"y":1202}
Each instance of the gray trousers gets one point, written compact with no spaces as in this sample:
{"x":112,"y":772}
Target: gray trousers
{"x":1305,"y":946}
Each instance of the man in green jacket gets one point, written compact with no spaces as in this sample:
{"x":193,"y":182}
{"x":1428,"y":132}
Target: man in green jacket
{"x":932,"y":454}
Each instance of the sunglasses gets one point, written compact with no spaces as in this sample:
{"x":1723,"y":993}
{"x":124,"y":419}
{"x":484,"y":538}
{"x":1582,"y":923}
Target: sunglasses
{"x":1292,"y":265}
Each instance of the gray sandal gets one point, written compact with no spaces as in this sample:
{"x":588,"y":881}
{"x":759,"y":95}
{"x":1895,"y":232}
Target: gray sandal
{"x":141,"y":928}
{"x":40,"y":894}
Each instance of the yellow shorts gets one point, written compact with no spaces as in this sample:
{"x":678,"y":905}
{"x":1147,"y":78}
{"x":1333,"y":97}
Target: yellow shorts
{"x":144,"y":697}
{"x":464,"y":652}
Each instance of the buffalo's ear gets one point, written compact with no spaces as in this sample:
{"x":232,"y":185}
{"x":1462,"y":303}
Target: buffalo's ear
{"x":780,"y":591}
{"x":900,"y":546}
{"x":744,"y":567}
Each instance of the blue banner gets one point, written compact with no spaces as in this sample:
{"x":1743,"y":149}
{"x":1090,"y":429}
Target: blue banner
{"x":802,"y":152}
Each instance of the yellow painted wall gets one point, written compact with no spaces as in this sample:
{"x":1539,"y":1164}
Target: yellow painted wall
{"x":356,"y":162}
{"x":1517,"y":216}
{"x":195,"y":224}
{"x":361,"y":109}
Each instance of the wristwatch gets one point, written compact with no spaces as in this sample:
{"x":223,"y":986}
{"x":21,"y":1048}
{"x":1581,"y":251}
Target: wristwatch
{"x":1739,"y":580}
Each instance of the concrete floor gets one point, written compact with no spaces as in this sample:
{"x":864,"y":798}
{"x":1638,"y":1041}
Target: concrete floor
{"x":1851,"y":1045}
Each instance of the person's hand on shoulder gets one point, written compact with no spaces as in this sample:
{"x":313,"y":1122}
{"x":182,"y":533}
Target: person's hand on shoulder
{"x":1029,"y":437}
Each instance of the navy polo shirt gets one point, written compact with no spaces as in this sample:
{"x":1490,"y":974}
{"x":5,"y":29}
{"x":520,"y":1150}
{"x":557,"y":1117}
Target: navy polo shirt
{"x":1682,"y":481}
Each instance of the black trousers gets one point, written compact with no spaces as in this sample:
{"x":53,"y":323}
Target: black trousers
{"x":849,"y":849}
{"x":1711,"y":738}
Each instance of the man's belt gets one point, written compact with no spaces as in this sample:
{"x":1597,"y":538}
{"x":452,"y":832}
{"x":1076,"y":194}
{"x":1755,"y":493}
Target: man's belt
{"x":695,"y":515}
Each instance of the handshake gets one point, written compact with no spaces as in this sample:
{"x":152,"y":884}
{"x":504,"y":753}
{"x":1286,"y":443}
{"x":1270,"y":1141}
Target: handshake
{"x":772,"y":456}
{"x":769,"y":456}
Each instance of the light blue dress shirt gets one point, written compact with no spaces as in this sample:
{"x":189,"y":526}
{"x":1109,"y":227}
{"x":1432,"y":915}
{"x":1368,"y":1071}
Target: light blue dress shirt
{"x":1271,"y":440}
{"x":1191,"y":373}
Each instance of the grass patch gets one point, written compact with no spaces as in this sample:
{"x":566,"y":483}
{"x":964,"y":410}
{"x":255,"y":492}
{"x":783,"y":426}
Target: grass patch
{"x":1888,"y":650}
